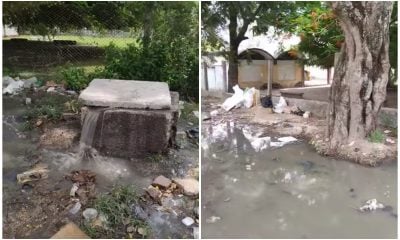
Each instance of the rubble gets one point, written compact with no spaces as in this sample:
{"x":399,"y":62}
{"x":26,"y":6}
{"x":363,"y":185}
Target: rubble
{"x":188,"y":221}
{"x":162,"y":182}
{"x":190,"y":186}
{"x":371,"y":205}
{"x":39,"y":172}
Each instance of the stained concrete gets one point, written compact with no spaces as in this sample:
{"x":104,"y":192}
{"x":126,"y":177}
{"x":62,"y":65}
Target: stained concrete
{"x":127,"y":94}
{"x":130,"y":133}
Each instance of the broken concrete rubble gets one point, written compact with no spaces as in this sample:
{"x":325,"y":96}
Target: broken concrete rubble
{"x":162,"y":182}
{"x":190,"y":186}
{"x":39,"y":172}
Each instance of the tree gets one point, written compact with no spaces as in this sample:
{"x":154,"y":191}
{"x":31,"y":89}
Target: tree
{"x":361,"y":73}
{"x":239,"y":17}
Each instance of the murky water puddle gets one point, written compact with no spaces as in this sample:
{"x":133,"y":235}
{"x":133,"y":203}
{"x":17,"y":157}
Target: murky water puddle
{"x":289,"y":191}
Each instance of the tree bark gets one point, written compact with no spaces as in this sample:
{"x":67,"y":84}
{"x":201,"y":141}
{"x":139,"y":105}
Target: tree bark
{"x":361,"y":73}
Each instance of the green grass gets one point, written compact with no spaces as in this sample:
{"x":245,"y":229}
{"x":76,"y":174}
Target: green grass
{"x":100,"y":41}
{"x":116,"y":207}
{"x":187,"y":112}
{"x":376,"y":136}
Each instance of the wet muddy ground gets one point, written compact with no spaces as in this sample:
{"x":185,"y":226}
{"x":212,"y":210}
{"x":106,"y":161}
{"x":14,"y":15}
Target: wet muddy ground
{"x":289,"y":191}
{"x":40,"y":209}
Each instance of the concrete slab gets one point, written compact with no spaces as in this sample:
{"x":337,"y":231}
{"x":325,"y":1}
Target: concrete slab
{"x":127,"y":94}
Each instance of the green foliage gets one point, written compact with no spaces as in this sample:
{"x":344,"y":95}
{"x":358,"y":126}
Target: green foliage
{"x":117,"y":209}
{"x":376,"y":136}
{"x":46,"y":108}
{"x":73,"y":106}
{"x":75,"y":78}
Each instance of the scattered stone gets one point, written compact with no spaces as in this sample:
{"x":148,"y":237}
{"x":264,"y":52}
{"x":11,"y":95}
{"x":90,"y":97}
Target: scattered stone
{"x":387,"y":131}
{"x":28,"y":101}
{"x":139,"y":212}
{"x":213,"y":219}
{"x":162,"y":182}
{"x":188,"y":221}
{"x":190,"y":186}
{"x":71,"y":92}
{"x":248,"y":167}
{"x":196,"y":113}
{"x":130,"y":229}
{"x":90,"y":214}
{"x":227,"y":199}
{"x":371,"y":205}
{"x":39,"y":123}
{"x":40,"y":171}
{"x":75,"y":209}
{"x":154,"y":193}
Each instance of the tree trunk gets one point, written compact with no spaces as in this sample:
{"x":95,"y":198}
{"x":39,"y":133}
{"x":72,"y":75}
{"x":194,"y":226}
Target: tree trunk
{"x":361,"y":73}
{"x":328,"y":75}
{"x":233,"y":69}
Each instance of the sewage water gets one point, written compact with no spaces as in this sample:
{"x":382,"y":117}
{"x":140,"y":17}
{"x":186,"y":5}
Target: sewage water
{"x":20,"y":147}
{"x":289,"y":191}
{"x":89,"y":127}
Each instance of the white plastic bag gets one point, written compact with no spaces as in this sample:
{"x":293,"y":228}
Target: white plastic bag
{"x":13,"y":87}
{"x":280,"y":106}
{"x":235,"y":101}
{"x":249,"y":97}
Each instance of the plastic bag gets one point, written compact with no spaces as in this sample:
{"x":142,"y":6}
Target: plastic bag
{"x":280,"y":106}
{"x":249,"y":97}
{"x":235,"y":101}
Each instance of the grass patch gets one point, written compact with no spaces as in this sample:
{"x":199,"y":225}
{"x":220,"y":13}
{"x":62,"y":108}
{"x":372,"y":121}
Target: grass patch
{"x":117,"y":209}
{"x":49,"y":107}
{"x":376,"y":136}
{"x":100,"y":41}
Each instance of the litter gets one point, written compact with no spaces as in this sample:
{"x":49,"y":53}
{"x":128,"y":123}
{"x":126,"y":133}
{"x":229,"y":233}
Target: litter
{"x":13,"y":87}
{"x":214,"y":113}
{"x":90,"y":214}
{"x":75,"y":209}
{"x":280,"y":106}
{"x":196,"y":113}
{"x":371,"y":205}
{"x":248,"y":97}
{"x":306,"y":114}
{"x":212,"y":219}
{"x":40,"y":171}
{"x":266,"y":102}
{"x":74,"y":188}
{"x":287,"y":139}
{"x":188,"y":221}
{"x":235,"y":101}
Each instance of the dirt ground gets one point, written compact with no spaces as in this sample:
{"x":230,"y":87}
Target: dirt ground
{"x":310,"y":129}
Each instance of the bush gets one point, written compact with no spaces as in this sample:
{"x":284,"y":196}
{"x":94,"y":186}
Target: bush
{"x":75,"y":78}
{"x":175,"y":63}
{"x":376,"y":136}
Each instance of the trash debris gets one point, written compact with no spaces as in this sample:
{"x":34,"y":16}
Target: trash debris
{"x":266,"y":102}
{"x":371,"y":205}
{"x":30,"y":82}
{"x":75,"y":209}
{"x":90,"y":214}
{"x":387,"y":131}
{"x":280,"y":106}
{"x":40,"y":171}
{"x":162,"y":182}
{"x":82,"y":177}
{"x":154,"y":193}
{"x":196,"y":113}
{"x":188,"y":221}
{"x":193,"y":133}
{"x":306,"y":114}
{"x":212,"y":219}
{"x":297,"y":111}
{"x":51,"y":89}
{"x":235,"y":101}
{"x":287,"y":139}
{"x":13,"y":87}
{"x":248,"y":97}
{"x":142,"y":231}
{"x":28,"y":101}
{"x":214,"y":113}
{"x":389,"y":140}
{"x":248,"y":167}
{"x":74,"y":188}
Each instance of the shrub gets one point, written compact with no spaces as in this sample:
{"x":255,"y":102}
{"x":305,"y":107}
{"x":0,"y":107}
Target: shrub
{"x":75,"y":78}
{"x":376,"y":136}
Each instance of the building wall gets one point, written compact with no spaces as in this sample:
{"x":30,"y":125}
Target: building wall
{"x":253,"y":74}
{"x":287,"y":73}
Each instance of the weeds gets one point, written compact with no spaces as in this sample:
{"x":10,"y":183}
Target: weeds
{"x":116,"y":206}
{"x":376,"y":136}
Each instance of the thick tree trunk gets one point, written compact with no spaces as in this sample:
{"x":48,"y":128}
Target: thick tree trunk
{"x":361,"y":73}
